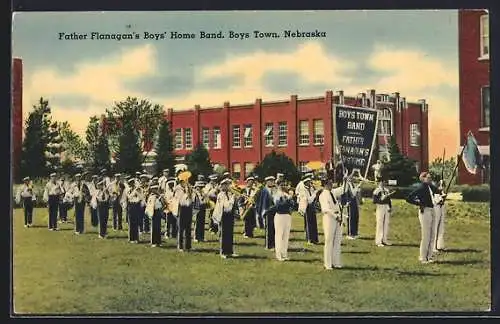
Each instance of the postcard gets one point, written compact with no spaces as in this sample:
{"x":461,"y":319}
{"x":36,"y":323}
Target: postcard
{"x":217,"y":162}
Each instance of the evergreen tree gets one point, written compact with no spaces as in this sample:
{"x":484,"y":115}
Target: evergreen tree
{"x":129,"y":156}
{"x":165,"y":158}
{"x":274,"y":163}
{"x":33,"y":155}
{"x":400,"y":167}
{"x":198,"y":162}
{"x":54,"y":148}
{"x":98,"y":148}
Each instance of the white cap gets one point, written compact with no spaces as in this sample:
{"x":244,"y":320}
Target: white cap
{"x":225,"y":181}
{"x":53,"y":175}
{"x":270,"y":178}
{"x":26,"y":179}
{"x":213,"y":177}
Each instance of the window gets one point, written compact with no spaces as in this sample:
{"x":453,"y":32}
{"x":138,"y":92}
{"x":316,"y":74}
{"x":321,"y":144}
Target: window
{"x":236,"y":170}
{"x":282,"y":134}
{"x":385,"y":122}
{"x":268,"y":135}
{"x":485,"y":106}
{"x":247,"y":136}
{"x":205,"y":137}
{"x":304,"y":132}
{"x":319,"y":132}
{"x":217,"y":138}
{"x":302,"y":166}
{"x":236,"y":136}
{"x":188,"y":138}
{"x":249,"y":166}
{"x":178,"y":139}
{"x":484,"y":27}
{"x":414,"y":135}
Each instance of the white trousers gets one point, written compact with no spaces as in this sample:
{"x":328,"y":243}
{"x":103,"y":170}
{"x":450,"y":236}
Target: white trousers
{"x":282,"y":226}
{"x":427,"y":226}
{"x":333,"y":239}
{"x":382,"y":230}
{"x":440,"y":212}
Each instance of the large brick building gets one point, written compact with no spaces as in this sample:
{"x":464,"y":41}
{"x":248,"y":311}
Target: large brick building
{"x":239,"y":136}
{"x":17,"y":115}
{"x":474,"y":74}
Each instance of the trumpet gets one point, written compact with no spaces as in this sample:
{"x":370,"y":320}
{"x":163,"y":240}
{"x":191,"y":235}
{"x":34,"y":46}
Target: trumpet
{"x":237,"y":191}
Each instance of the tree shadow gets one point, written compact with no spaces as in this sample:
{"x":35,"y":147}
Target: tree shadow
{"x":459,"y":262}
{"x":405,"y":245}
{"x":299,"y":250}
{"x":305,"y":260}
{"x":462,"y":250}
{"x":206,"y":250}
{"x":39,"y":226}
{"x":357,"y":252}
{"x":296,"y":231}
{"x":296,"y":239}
{"x":370,"y":268}
{"x":246,"y":256}
{"x":65,"y":229}
{"x":420,"y":274}
{"x":117,"y":237}
{"x":366,"y":238}
{"x":246,"y":243}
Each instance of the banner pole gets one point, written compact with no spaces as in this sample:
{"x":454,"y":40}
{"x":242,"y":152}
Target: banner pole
{"x":456,"y":165}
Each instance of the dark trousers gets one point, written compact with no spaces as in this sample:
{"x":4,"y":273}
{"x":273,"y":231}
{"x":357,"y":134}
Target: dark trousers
{"x":79,"y":212}
{"x":156,"y":227}
{"x":53,"y":207}
{"x":141,"y":217}
{"x":311,"y":225}
{"x":127,"y":212}
{"x":94,"y":219}
{"x":63,"y":211}
{"x":103,"y":214}
{"x":353,"y":220}
{"x":226,"y":234}
{"x":185,"y":221}
{"x":28,"y":210}
{"x":260,"y":221}
{"x":270,"y":230}
{"x":213,"y":225}
{"x":133,"y":221}
{"x":171,"y":225}
{"x":250,"y":222}
{"x":147,"y":222}
{"x":117,"y":215}
{"x":199,"y":227}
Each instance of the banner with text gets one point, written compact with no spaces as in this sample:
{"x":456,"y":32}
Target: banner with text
{"x":356,"y":130}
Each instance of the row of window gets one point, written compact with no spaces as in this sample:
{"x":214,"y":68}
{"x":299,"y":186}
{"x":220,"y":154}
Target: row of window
{"x":484,"y":27}
{"x":236,"y":169}
{"x":184,"y":136}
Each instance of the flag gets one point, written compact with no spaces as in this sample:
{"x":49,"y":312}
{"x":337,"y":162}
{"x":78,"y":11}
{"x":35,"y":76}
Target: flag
{"x":470,"y":155}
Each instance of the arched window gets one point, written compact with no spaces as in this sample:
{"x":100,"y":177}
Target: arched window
{"x":385,"y":122}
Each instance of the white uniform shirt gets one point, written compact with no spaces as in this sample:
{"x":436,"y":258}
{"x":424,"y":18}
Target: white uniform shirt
{"x":210,"y":189}
{"x":24,"y":192}
{"x":135,"y":195}
{"x":181,"y":195}
{"x":328,"y":205}
{"x":51,"y":189}
{"x":225,"y":202}
{"x":162,"y":182}
{"x":77,"y":191}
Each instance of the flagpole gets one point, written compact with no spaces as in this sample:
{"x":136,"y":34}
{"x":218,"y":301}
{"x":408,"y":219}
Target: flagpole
{"x":458,"y":162}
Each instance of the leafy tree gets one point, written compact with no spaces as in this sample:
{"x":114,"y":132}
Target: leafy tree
{"x":400,"y":167}
{"x":144,"y":115}
{"x":165,"y":158}
{"x":274,"y":163}
{"x":129,"y":156}
{"x":55,"y":148}
{"x":439,"y":168}
{"x":198,"y":162}
{"x":73,"y":143}
{"x":33,"y":156}
{"x":98,"y":148}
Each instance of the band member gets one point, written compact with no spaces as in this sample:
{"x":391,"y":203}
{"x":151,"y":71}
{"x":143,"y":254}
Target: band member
{"x":199,"y":209}
{"x":116,"y":189}
{"x":353,"y":211}
{"x":211,"y":191}
{"x":226,"y":175}
{"x":78,"y":195}
{"x":377,"y":170}
{"x":106,"y":178}
{"x":224,"y":217}
{"x":249,"y":216}
{"x":134,"y":199}
{"x":26,"y":195}
{"x":94,"y":219}
{"x":124,"y":198}
{"x":280,"y":177}
{"x":306,"y":195}
{"x":332,"y":227}
{"x":172,"y":209}
{"x":143,"y":219}
{"x":162,"y":181}
{"x":424,"y":198}
{"x":282,"y":221}
{"x":51,"y":195}
{"x":440,"y":211}
{"x":266,"y":211}
{"x":330,"y":169}
{"x":63,"y":201}
{"x":102,"y":197}
{"x":184,"y":194}
{"x":154,"y":209}
{"x":339,"y":172}
{"x":383,"y":202}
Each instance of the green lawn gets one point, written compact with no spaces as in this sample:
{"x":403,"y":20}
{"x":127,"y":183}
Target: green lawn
{"x":59,"y":272}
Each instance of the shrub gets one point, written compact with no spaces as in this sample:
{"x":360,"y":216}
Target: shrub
{"x":476,"y":193}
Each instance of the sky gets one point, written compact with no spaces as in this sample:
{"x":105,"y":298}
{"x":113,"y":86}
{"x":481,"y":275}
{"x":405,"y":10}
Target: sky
{"x":411,"y":52}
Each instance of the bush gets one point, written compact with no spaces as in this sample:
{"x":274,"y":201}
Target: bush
{"x":476,"y":193}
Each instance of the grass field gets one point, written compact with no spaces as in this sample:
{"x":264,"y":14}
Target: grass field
{"x":59,"y":272}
